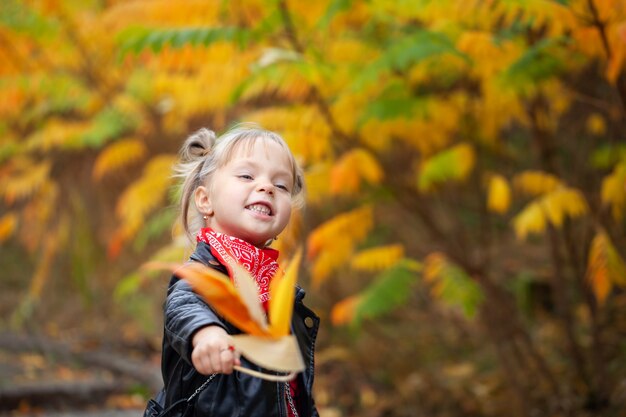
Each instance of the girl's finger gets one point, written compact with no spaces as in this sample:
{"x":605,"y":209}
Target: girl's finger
{"x":215,"y":358}
{"x":227,"y":361}
{"x":201,"y":362}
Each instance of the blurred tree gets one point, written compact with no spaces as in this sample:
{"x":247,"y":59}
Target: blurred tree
{"x":471,"y":149}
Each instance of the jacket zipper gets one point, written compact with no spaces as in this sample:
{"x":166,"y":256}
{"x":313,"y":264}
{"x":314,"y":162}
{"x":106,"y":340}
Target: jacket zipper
{"x":289,"y":401}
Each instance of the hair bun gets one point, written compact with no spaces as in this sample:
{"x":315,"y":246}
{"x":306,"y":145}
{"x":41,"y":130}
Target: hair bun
{"x":198,"y":145}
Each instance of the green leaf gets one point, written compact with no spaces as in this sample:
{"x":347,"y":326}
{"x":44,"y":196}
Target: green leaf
{"x":403,"y":53}
{"x":607,"y":156}
{"x":16,"y":15}
{"x":395,"y":102}
{"x":390,"y":290}
{"x":155,"y":227}
{"x":417,"y":47}
{"x":261,"y":78}
{"x":60,"y":93}
{"x":392,"y":108}
{"x":451,"y":285}
{"x":269,"y":73}
{"x":128,"y":286}
{"x":539,"y":62}
{"x":456,"y":288}
{"x":109,"y":124}
{"x":137,"y":39}
{"x":8,"y":150}
{"x":453,"y":164}
{"x":140,"y":85}
{"x":335,"y":7}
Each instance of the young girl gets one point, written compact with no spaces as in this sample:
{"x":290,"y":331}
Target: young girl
{"x":237,"y":196}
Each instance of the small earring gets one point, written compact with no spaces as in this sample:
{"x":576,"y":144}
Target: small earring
{"x":205,"y":217}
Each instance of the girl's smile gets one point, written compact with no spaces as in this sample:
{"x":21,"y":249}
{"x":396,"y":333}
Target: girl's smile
{"x":262,"y":208}
{"x":250,"y":196}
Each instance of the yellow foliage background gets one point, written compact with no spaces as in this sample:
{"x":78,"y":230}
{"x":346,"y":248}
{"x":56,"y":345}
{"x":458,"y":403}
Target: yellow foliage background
{"x":482,"y":138}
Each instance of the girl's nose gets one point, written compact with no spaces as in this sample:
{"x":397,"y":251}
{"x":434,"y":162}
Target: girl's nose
{"x":266,"y":187}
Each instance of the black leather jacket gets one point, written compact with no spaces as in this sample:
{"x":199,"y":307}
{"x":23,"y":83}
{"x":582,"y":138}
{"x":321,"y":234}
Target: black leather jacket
{"x":237,"y":394}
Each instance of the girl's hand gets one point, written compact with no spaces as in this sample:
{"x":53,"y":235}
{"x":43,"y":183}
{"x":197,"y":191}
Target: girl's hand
{"x":213,"y":352}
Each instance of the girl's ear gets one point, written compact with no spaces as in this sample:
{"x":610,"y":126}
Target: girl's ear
{"x":203,"y":200}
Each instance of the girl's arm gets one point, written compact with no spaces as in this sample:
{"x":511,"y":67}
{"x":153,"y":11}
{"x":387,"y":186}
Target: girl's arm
{"x":184,"y":314}
{"x":196,"y":332}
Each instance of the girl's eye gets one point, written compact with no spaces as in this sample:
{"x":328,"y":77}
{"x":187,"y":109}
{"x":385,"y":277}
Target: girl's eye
{"x":282,"y":187}
{"x":245,"y":177}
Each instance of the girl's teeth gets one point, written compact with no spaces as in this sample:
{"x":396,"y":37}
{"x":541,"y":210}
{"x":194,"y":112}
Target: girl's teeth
{"x":260,"y":208}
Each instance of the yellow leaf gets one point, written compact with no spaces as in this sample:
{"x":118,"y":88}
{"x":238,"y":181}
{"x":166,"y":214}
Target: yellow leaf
{"x":465,"y":157}
{"x":329,"y":260}
{"x":249,"y":292}
{"x":272,"y":347}
{"x":530,"y":220}
{"x":353,"y":168}
{"x":605,"y":267}
{"x":317,"y":179}
{"x":499,"y":107}
{"x":144,"y":195}
{"x":344,"y":177}
{"x":596,"y":124}
{"x":499,"y":194}
{"x":333,"y":242}
{"x":24,"y":178}
{"x":453,"y":164}
{"x":352,"y":226}
{"x":433,"y":265}
{"x":427,"y":135}
{"x":552,"y":208}
{"x":286,"y":82}
{"x":378,"y":258}
{"x":367,"y":166}
{"x":280,"y":354}
{"x":563,"y":202}
{"x":164,"y":12}
{"x":536,"y":182}
{"x":117,"y":156}
{"x":343,"y":312}
{"x":57,"y":133}
{"x":482,"y":47}
{"x":282,"y":293}
{"x":8,"y":224}
{"x":302,"y":127}
{"x":616,"y":62}
{"x":614,"y":190}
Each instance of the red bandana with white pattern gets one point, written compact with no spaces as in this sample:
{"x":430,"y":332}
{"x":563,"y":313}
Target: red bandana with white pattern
{"x":261,"y":263}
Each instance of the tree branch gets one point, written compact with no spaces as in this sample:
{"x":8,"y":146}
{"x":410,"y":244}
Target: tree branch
{"x":600,"y":26}
{"x":316,"y":95}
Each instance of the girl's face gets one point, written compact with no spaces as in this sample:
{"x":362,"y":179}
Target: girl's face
{"x":250,"y":196}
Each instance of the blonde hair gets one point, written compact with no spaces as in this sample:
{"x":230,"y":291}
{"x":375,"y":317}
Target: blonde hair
{"x":203,"y":153}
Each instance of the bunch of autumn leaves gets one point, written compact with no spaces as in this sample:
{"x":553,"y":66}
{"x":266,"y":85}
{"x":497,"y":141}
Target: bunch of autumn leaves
{"x":266,"y":339}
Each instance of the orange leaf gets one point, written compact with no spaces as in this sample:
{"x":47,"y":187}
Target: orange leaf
{"x":8,"y":224}
{"x":343,"y":311}
{"x":605,"y":267}
{"x":218,"y":291}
